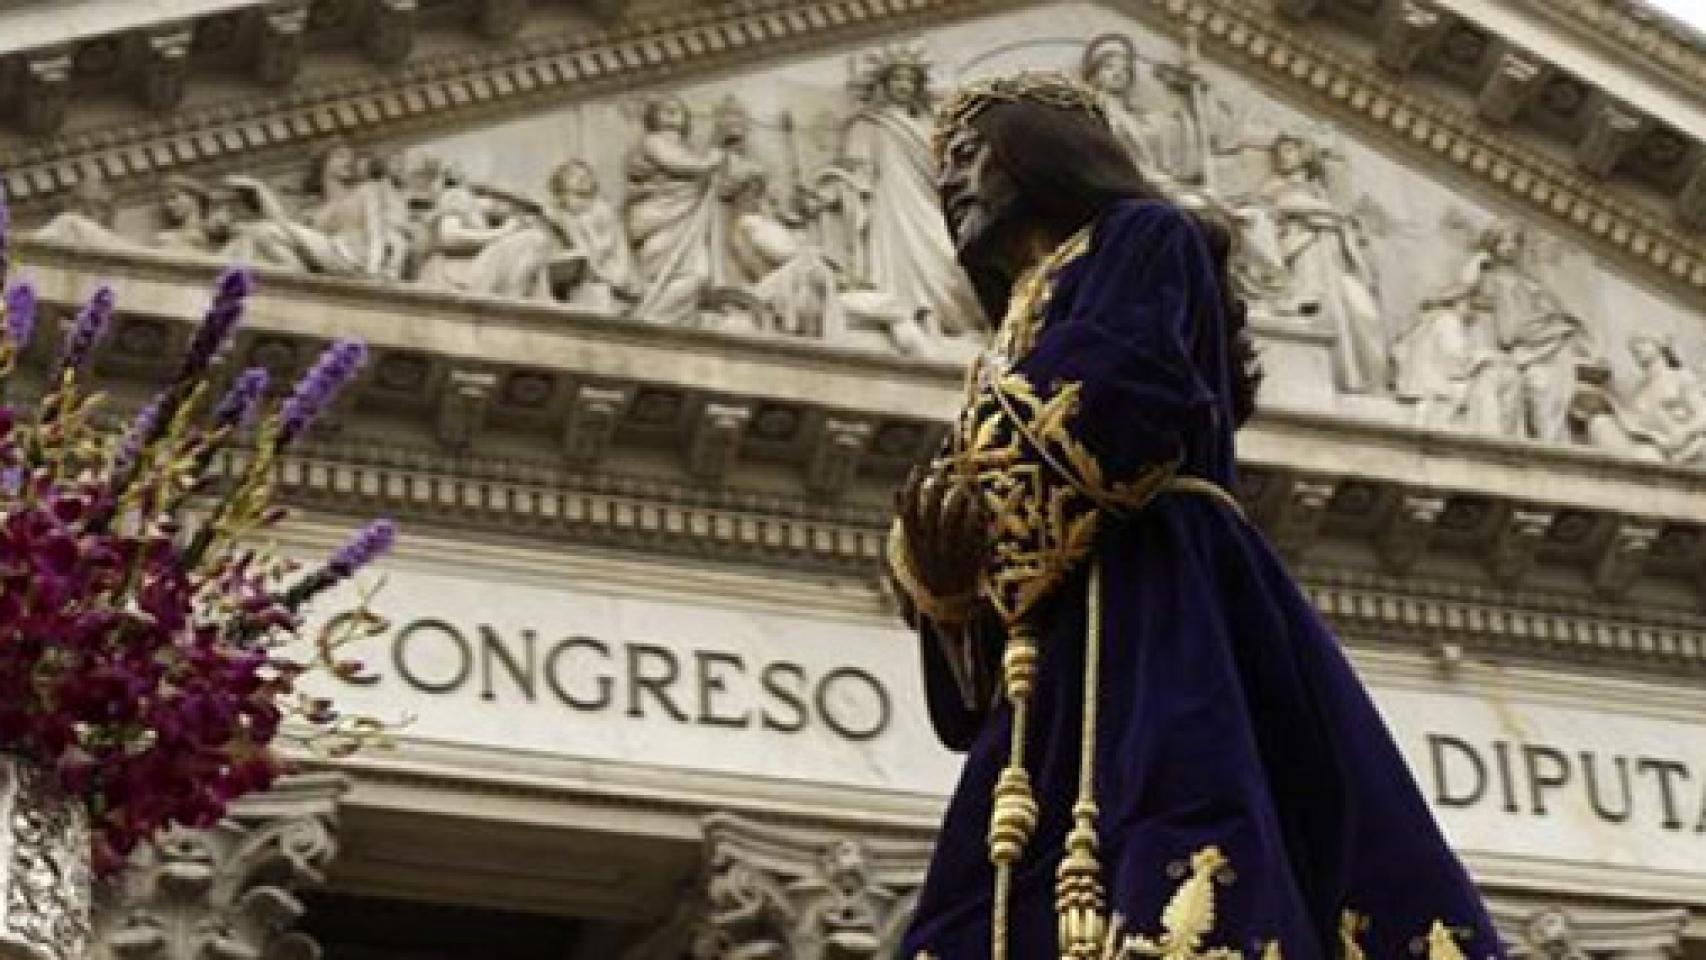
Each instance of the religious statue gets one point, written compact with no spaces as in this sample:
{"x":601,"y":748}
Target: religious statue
{"x":903,"y":254}
{"x":1663,"y":418}
{"x":1168,"y":754}
{"x":1166,"y":145}
{"x":1329,"y":280}
{"x":674,"y":215}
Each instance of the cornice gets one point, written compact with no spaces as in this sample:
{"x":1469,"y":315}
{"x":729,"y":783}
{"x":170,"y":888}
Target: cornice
{"x":1424,"y":127}
{"x":1649,"y":38}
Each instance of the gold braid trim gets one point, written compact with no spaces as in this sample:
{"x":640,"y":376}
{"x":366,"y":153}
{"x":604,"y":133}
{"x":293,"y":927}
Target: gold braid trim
{"x":1080,"y":899}
{"x":1190,"y":916}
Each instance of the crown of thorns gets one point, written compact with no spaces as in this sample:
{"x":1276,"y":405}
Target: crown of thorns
{"x":1050,"y":88}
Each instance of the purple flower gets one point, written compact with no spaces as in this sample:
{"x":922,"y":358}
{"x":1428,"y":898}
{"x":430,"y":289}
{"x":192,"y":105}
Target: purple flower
{"x":217,"y":324}
{"x":20,"y":314}
{"x":142,"y":431}
{"x":335,"y":368}
{"x":239,"y":404}
{"x":373,"y":540}
{"x":92,"y":322}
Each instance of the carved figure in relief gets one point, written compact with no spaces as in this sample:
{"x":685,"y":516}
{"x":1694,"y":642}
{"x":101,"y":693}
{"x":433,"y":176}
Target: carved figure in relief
{"x":1550,"y":937}
{"x":674,"y":215}
{"x":183,"y":211}
{"x":460,"y":227}
{"x":572,"y":248}
{"x":797,"y":287}
{"x":238,"y":231}
{"x":1545,"y":342}
{"x":1663,"y":418}
{"x":1590,"y":933}
{"x":1166,"y":144}
{"x":344,"y":234}
{"x":1448,"y":369}
{"x":1329,"y":280}
{"x":903,"y":255}
{"x":86,"y":220}
{"x":1500,"y":342}
{"x":403,"y":237}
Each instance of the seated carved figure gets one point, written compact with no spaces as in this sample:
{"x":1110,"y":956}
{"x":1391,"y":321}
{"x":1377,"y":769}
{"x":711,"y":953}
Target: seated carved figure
{"x":571,"y":248}
{"x":1446,"y":370}
{"x":1663,"y":418}
{"x":460,"y":228}
{"x":796,"y":285}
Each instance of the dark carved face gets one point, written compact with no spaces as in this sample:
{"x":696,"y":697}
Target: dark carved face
{"x":976,"y":192}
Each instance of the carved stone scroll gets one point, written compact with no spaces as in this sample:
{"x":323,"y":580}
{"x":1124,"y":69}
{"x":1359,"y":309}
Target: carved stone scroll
{"x":1299,"y":9}
{"x":1624,"y":556}
{"x":389,"y":34}
{"x":45,"y":91}
{"x":1411,"y":30}
{"x":1515,"y":81}
{"x":1296,"y":518}
{"x":280,"y":37}
{"x":230,"y":891}
{"x":165,"y":65}
{"x":591,"y":425}
{"x":1512,"y":552}
{"x":463,"y":405}
{"x":1587,"y":933}
{"x":774,"y":893}
{"x":500,"y":19}
{"x":715,"y":444}
{"x":1611,"y":132}
{"x":1691,"y":202}
{"x":835,"y":458}
{"x":1406,"y":536}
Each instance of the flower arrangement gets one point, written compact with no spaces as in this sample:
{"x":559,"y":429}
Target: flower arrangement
{"x":142,"y":629}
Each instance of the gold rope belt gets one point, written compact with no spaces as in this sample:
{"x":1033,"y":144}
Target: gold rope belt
{"x":1087,"y":931}
{"x":1197,"y":486}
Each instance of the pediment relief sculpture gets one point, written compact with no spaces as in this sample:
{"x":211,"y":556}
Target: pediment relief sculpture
{"x":804,"y":207}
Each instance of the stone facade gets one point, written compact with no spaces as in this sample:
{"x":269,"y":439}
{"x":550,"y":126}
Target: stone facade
{"x":660,"y":313}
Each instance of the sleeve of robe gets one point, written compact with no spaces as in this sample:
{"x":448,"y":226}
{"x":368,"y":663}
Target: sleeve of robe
{"x":1094,"y":418}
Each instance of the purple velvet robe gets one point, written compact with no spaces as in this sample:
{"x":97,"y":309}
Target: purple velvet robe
{"x":1229,"y":716}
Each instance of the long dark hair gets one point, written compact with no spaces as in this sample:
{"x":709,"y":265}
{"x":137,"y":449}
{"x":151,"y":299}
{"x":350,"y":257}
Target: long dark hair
{"x":1068,"y":168}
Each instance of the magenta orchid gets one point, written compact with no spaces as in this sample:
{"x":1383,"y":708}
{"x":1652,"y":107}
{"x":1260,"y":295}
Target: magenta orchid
{"x":142,"y":652}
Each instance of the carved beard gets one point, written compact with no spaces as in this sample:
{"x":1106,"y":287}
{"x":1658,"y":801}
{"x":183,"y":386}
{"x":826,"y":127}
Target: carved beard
{"x":981,"y":243}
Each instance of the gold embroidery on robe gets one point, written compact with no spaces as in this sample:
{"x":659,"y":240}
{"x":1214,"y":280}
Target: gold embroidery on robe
{"x":1352,"y":925}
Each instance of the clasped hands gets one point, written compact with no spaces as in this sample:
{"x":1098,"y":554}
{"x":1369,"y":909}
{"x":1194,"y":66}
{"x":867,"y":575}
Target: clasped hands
{"x":945,"y":531}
